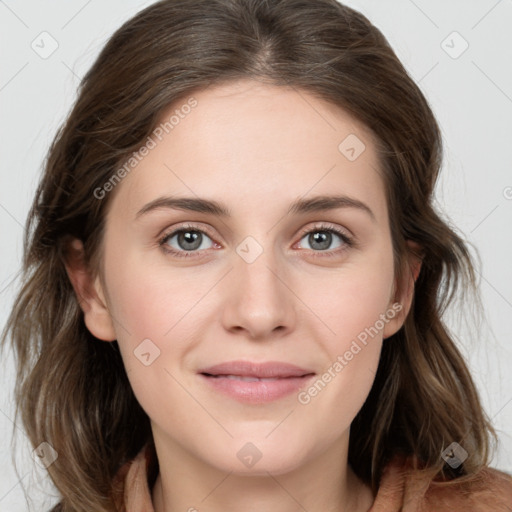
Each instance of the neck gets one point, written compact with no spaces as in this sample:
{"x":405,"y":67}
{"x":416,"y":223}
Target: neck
{"x":323,"y":483}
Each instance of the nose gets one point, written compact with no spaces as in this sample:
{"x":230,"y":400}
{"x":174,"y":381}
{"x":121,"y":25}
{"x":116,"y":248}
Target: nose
{"x":258,"y":299}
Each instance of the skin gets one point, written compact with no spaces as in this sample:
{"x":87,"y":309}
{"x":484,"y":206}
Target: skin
{"x":256,"y":148}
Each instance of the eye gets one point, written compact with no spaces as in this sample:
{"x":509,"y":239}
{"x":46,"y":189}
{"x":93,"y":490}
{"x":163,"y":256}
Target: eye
{"x":187,"y":239}
{"x":320,"y":238}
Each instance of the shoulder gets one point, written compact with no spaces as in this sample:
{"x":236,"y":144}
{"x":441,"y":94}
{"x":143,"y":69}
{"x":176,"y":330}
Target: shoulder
{"x":403,"y":488}
{"x":490,"y":490}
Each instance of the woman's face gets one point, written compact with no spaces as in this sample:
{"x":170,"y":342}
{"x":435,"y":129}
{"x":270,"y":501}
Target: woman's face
{"x":259,"y":283}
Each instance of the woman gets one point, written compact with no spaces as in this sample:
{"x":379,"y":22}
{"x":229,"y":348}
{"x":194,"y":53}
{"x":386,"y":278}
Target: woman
{"x":183,"y":342}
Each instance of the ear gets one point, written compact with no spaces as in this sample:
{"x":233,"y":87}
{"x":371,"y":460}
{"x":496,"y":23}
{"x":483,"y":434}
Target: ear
{"x":400,"y":304}
{"x":89,"y":293}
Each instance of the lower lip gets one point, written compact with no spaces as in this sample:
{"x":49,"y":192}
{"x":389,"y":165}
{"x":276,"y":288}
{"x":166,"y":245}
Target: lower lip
{"x":257,"y":392}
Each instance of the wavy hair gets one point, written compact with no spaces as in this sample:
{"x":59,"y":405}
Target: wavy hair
{"x":72,"y":390}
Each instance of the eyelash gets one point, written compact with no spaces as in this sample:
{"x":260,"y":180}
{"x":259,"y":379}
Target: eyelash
{"x":348,"y":241}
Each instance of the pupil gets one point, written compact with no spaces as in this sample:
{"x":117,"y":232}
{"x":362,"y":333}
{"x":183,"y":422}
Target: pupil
{"x":321,"y":237}
{"x":189,"y":240}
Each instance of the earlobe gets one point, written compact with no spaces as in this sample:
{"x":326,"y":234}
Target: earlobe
{"x":396,"y":315}
{"x":89,"y":293}
{"x":402,"y":304}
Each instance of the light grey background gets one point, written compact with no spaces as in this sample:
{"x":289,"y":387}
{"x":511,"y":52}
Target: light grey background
{"x":470,"y":93}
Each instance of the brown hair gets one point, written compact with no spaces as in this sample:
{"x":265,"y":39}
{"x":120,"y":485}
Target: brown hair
{"x":72,"y":390}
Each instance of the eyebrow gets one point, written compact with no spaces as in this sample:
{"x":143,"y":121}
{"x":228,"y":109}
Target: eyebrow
{"x":300,"y":206}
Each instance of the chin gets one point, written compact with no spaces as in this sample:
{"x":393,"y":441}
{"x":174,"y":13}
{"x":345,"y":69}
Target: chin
{"x":257,"y":455}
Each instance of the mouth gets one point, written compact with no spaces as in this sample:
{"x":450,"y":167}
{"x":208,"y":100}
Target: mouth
{"x":254,"y":390}
{"x":257,"y":370}
{"x":251,"y":379}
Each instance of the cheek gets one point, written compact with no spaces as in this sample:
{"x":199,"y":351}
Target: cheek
{"x":350,"y":303}
{"x":150,"y":301}
{"x":148,"y":308}
{"x":151,"y":323}
{"x":356,"y":307}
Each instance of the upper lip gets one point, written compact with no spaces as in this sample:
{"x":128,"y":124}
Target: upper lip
{"x":268,"y":369}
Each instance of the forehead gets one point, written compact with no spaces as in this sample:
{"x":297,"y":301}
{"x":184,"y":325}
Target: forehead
{"x":246,"y":142}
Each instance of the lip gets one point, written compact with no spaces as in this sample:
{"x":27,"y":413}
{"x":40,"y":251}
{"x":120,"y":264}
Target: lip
{"x":267,"y":369}
{"x":284,"y":378}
